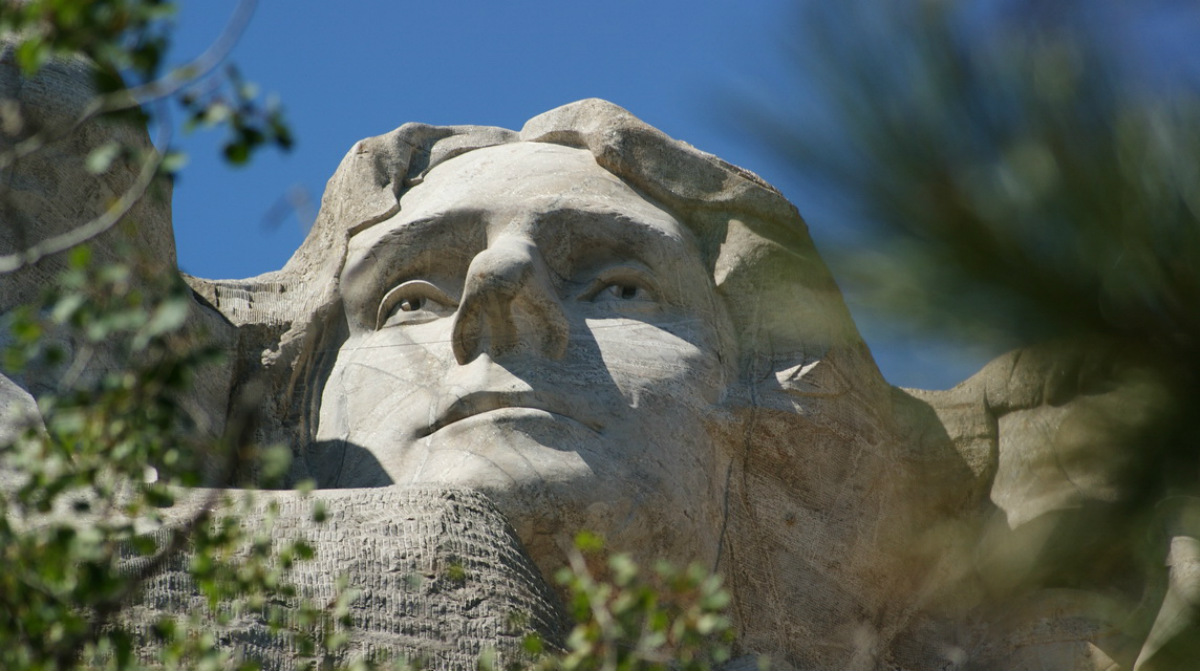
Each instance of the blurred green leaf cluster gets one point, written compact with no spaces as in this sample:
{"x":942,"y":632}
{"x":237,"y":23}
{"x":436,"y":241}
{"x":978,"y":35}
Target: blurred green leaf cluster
{"x":128,"y":41}
{"x":1026,"y":174}
{"x":235,"y":102}
{"x":1018,"y":178}
{"x":631,"y":619}
{"x":1021,"y":178}
{"x":84,"y":521}
{"x":123,"y":366}
{"x":130,"y":36}
{"x":89,"y":515}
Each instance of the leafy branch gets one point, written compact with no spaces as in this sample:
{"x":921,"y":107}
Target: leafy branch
{"x":127,"y":41}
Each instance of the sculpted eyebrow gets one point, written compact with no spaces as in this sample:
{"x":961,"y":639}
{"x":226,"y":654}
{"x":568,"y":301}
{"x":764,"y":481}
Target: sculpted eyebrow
{"x":433,"y":230}
{"x":443,"y":242}
{"x":613,"y":231}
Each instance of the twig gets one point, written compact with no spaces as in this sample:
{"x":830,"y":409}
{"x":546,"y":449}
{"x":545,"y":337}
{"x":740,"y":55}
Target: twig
{"x":91,"y":229}
{"x":178,"y":79}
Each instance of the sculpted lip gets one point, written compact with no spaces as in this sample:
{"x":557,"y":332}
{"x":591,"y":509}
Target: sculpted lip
{"x":477,"y":403}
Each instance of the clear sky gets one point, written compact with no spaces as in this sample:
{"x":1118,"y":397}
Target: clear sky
{"x":356,"y":68}
{"x":348,"y":70}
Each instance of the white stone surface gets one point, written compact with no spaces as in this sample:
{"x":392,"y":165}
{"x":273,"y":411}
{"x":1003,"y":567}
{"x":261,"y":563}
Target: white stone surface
{"x":529,"y":326}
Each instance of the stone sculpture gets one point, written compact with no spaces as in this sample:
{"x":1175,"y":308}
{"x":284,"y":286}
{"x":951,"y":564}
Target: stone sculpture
{"x":591,"y":325}
{"x":649,"y":313}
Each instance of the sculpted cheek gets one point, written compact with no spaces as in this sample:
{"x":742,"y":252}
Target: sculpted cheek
{"x":381,"y":385}
{"x":643,"y":358}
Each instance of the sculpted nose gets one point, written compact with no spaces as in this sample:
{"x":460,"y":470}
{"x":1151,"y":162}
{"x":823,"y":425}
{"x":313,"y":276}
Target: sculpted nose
{"x":509,"y":303}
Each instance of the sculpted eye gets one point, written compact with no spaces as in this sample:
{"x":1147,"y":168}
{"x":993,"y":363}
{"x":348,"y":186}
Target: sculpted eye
{"x":625,"y":292}
{"x":621,"y":284}
{"x":413,"y":301}
{"x":410,"y":304}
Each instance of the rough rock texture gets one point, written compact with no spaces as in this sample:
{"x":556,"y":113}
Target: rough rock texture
{"x":442,"y":578}
{"x":1066,"y":565}
{"x":50,"y":191}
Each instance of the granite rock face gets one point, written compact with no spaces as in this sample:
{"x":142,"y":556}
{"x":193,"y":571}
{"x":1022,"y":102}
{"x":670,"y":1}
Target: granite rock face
{"x":441,"y":578}
{"x":492,"y":339}
{"x":50,"y":192}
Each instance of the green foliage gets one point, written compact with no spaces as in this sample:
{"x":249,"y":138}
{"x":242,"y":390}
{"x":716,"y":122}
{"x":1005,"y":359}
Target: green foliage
{"x":631,"y":619}
{"x":1016,"y":182}
{"x":1017,"y":185}
{"x":119,"y":35}
{"x":234,"y":102}
{"x":85,"y":490}
{"x":1024,"y":178}
{"x":128,"y":41}
{"x":83,"y":524}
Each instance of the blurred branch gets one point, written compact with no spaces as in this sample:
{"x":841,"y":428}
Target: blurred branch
{"x":151,"y":169}
{"x":1018,"y":177}
{"x":1016,"y":182}
{"x":136,"y":96}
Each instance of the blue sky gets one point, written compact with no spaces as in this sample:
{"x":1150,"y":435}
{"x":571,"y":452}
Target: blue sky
{"x":353,"y":69}
{"x":349,"y":70}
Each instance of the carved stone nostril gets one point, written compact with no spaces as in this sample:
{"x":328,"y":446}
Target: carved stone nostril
{"x":464,"y":339}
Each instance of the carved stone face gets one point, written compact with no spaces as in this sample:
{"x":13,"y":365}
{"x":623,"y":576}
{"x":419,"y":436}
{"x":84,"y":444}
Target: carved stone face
{"x":528,"y":325}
